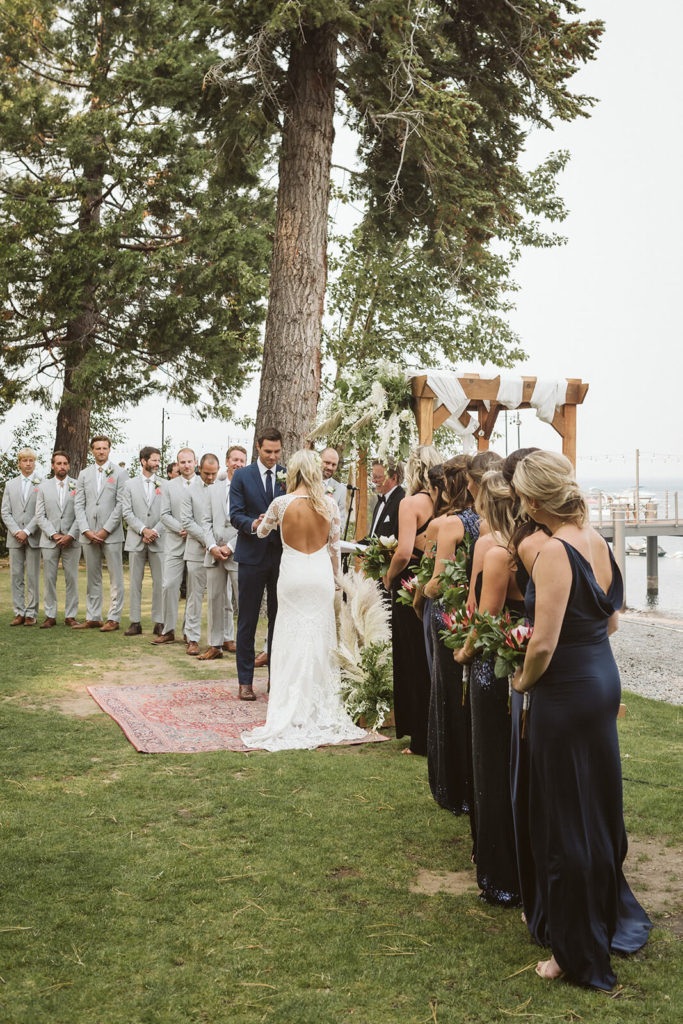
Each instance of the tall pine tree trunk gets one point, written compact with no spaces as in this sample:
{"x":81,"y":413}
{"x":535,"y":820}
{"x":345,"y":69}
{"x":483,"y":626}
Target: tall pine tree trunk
{"x":75,"y":407}
{"x":290,"y":378}
{"x":73,"y":418}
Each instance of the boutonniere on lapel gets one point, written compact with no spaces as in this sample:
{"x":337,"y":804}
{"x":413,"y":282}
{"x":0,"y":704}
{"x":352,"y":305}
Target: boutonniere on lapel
{"x":155,"y":484}
{"x":109,"y":473}
{"x":329,"y":489}
{"x":35,"y":480}
{"x":71,"y":486}
{"x":281,"y":477}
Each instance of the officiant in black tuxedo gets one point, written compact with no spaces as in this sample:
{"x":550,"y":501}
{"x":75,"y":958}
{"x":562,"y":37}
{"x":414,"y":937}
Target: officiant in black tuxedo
{"x":251,"y":492}
{"x":386,"y":482}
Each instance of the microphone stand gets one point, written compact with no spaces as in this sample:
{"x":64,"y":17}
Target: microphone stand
{"x":345,"y":557}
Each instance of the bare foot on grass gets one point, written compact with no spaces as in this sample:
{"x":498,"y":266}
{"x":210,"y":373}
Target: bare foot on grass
{"x":550,"y":970}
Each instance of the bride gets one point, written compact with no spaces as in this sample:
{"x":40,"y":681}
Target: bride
{"x":304,"y":707}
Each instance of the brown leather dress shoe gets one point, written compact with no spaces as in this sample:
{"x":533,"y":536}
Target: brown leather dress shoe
{"x":210,"y":654}
{"x":261,"y":659}
{"x":246,"y":692}
{"x":192,"y":647}
{"x":109,"y":626}
{"x":48,"y":624}
{"x":18,"y":620}
{"x":135,"y":629}
{"x":88,"y":624}
{"x":71,"y":622}
{"x":29,"y":622}
{"x":164,"y":638}
{"x":158,"y":628}
{"x":230,"y":645}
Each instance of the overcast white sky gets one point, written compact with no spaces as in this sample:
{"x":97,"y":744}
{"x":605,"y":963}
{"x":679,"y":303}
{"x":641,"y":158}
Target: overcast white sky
{"x":606,"y":306}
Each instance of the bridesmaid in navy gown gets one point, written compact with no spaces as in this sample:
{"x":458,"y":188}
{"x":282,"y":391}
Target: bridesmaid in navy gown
{"x":496,"y":591}
{"x":576,"y":825}
{"x":449,"y":742}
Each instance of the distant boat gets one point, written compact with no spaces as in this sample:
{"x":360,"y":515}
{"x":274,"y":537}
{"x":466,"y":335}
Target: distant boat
{"x":641,"y":549}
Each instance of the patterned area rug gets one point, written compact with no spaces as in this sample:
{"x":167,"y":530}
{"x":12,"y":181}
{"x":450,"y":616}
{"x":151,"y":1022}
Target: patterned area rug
{"x":184,"y":718}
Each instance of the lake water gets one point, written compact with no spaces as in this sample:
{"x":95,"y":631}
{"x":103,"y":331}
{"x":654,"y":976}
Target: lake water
{"x":669,"y":601}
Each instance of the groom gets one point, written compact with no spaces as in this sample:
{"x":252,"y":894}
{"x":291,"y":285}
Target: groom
{"x":251,"y":492}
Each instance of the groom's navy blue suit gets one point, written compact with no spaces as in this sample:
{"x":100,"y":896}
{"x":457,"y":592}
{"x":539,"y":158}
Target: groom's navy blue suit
{"x":258,"y":560}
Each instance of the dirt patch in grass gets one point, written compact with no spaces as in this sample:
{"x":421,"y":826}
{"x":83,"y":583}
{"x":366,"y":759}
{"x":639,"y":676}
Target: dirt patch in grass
{"x":456,"y":883}
{"x":654,"y":871}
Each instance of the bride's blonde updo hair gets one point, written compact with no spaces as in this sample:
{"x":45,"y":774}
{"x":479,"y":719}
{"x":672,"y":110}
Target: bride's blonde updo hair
{"x":547,"y":478}
{"x":495,"y":503}
{"x":418,"y":464}
{"x":305,"y":467}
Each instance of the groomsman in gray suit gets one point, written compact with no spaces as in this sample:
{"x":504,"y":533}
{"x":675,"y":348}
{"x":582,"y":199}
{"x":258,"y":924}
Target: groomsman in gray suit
{"x":141,"y":505}
{"x":23,"y":539}
{"x":175,"y":536}
{"x":56,"y":516}
{"x":221,"y":569}
{"x":330,"y":461}
{"x":98,"y":513}
{"x":192,"y":519}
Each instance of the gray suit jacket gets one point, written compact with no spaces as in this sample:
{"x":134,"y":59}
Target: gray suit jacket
{"x":172,"y":499}
{"x":338,"y":492}
{"x":17,"y":515}
{"x":192,"y":518}
{"x":100,"y":511}
{"x":218,"y":530}
{"x":52,"y":519}
{"x":139,"y":516}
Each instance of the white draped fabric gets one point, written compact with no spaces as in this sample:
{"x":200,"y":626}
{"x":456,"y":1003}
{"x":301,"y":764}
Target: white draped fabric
{"x":547,"y":396}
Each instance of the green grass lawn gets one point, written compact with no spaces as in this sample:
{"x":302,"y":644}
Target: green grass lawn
{"x":269,"y":887}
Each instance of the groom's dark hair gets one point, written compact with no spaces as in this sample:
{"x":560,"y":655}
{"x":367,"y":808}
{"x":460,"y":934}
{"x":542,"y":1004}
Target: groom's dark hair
{"x":268,"y":434}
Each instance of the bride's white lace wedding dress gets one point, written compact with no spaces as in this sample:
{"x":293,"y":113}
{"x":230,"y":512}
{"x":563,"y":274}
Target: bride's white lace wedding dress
{"x":304,"y":706}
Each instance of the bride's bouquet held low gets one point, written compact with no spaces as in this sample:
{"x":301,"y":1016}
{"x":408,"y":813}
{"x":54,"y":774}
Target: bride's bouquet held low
{"x":376,"y":556}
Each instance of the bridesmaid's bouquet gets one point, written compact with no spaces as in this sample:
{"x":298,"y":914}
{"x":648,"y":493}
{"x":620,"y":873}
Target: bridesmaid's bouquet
{"x":502,"y":639}
{"x":425,"y":570}
{"x":406,"y":594}
{"x":453,"y":582}
{"x":377,"y":556}
{"x":458,"y":627}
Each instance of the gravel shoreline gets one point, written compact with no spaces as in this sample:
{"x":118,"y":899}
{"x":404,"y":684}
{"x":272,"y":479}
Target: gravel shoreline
{"x":649,"y":653}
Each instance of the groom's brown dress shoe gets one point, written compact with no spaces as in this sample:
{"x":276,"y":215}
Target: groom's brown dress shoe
{"x":261,"y":659}
{"x":164,"y":638}
{"x":48,"y":624}
{"x":88,"y":624}
{"x":210,"y":654}
{"x":246,"y":692}
{"x":109,"y":626}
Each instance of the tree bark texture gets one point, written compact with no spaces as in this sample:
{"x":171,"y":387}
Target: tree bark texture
{"x":290,"y":376}
{"x":75,"y":407}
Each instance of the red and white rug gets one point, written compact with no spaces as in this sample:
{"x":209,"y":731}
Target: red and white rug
{"x":187,"y":717}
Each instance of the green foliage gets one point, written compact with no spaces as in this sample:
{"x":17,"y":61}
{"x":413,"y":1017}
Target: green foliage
{"x":442,"y":97}
{"x":371,"y":699}
{"x":124,"y":264}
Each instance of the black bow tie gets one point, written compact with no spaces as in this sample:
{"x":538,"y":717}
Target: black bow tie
{"x":381,"y":499}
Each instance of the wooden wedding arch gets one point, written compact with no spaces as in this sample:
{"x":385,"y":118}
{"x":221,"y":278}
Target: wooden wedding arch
{"x":482,"y":395}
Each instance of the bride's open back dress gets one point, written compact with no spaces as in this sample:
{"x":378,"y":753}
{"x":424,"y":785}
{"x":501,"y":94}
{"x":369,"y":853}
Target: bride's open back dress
{"x":304,"y":706}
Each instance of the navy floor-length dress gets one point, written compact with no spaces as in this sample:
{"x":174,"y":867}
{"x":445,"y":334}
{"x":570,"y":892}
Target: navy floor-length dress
{"x":495,"y":855}
{"x":576,"y":824}
{"x":449,"y":735}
